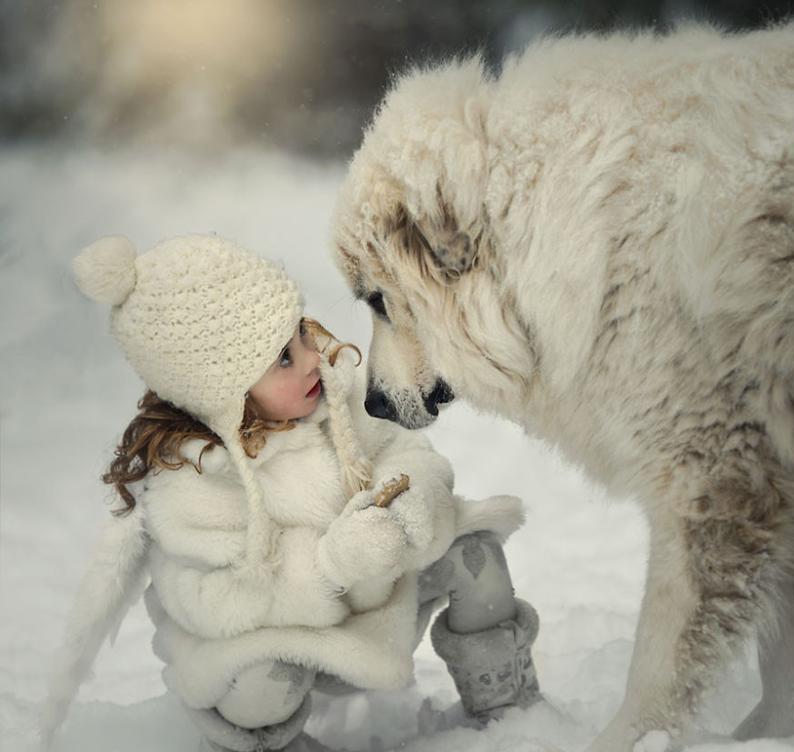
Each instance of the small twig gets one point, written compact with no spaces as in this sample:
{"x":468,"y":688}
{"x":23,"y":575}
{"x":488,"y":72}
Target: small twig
{"x":392,"y":490}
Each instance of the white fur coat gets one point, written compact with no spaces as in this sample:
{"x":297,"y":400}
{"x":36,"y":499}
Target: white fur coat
{"x":216,"y":612}
{"x":216,"y":615}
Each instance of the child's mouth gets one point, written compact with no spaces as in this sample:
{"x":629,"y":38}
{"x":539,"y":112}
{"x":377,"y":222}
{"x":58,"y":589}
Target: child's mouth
{"x":315,"y":390}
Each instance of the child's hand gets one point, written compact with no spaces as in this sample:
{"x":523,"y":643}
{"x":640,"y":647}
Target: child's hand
{"x":409,"y":510}
{"x":370,"y":541}
{"x":414,"y":515}
{"x":365,"y":541}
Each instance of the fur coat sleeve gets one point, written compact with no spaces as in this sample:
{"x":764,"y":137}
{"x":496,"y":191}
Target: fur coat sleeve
{"x":198,"y":522}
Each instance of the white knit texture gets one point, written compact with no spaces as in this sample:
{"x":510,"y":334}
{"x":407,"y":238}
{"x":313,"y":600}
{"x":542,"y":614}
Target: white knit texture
{"x":105,"y":270}
{"x":205,"y":321}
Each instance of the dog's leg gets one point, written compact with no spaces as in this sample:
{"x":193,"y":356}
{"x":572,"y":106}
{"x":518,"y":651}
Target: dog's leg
{"x":709,"y":573}
{"x":668,"y":605}
{"x":774,"y":714}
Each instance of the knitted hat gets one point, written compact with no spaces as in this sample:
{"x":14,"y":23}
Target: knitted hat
{"x":201,"y":320}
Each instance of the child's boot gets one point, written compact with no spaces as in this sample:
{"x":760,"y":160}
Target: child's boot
{"x":492,"y":669}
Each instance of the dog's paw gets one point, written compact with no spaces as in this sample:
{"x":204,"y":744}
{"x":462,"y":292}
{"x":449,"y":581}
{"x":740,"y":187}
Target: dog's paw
{"x":655,"y":741}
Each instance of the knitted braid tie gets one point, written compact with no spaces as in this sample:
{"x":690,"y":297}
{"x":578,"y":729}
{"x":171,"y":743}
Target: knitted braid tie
{"x":259,"y":535}
{"x":356,"y":467}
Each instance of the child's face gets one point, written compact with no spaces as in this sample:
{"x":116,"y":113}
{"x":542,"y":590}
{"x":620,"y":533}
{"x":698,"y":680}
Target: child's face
{"x":290,"y":388}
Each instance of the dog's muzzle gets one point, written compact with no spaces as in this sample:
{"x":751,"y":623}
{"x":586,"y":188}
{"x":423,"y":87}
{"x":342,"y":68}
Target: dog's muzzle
{"x":441,"y":394}
{"x":378,"y":404}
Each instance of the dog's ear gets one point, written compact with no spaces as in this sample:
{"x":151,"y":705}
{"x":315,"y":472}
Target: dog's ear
{"x":433,"y":198}
{"x":438,"y":242}
{"x":453,"y":250}
{"x":444,"y":212}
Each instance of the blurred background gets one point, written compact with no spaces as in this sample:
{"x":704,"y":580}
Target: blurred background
{"x":297,"y":74}
{"x":152,"y":118}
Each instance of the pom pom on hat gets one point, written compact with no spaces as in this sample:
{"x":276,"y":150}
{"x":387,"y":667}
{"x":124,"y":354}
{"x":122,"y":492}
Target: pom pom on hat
{"x":105,"y":270}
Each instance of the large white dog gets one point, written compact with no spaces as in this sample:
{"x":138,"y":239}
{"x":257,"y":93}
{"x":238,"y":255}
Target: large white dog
{"x":599,"y":245}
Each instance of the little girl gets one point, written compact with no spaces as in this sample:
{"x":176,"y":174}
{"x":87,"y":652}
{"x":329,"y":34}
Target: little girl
{"x":253,"y":485}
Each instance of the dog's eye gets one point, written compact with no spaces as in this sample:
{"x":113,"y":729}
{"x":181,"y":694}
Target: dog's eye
{"x":377,"y":304}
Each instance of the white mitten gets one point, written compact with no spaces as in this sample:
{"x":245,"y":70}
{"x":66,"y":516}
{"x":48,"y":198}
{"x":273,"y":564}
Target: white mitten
{"x":415,"y":516}
{"x":364,"y":541}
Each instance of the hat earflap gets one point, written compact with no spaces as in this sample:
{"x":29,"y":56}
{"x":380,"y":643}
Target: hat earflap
{"x":260,"y":534}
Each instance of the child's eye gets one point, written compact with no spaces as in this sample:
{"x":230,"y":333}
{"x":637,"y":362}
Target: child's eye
{"x":285,"y":359}
{"x":302,"y":329}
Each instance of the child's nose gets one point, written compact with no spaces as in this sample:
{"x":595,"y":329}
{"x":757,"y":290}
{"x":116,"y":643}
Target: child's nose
{"x":312,"y":359}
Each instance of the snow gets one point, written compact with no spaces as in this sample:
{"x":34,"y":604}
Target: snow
{"x":66,"y":394}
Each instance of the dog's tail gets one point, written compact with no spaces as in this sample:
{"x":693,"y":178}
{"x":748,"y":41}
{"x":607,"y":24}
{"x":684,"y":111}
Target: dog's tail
{"x":115,"y":579}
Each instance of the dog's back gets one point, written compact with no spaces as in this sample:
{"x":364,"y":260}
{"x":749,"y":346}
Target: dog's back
{"x":655,"y":177}
{"x":662,"y":197}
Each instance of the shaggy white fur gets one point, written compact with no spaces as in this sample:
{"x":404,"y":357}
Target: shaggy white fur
{"x":599,"y":245}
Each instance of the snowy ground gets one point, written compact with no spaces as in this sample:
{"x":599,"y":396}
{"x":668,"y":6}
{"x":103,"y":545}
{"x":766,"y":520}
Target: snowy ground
{"x":65,"y":395}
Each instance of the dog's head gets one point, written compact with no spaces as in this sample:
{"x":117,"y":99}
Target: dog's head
{"x":413,"y":238}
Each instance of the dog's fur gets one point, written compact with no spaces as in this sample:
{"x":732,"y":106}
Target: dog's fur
{"x":599,"y":244}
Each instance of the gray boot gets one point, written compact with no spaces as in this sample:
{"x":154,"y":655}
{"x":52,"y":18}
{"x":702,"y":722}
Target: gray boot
{"x":492,"y":669}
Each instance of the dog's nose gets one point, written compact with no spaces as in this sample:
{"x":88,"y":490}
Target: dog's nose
{"x":378,"y":405}
{"x":440,"y":394}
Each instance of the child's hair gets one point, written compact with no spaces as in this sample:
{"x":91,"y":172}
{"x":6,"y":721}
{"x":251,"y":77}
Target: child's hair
{"x":154,"y":437}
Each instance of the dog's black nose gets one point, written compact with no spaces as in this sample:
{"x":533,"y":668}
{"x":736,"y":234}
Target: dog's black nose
{"x":378,"y":405}
{"x":440,"y":394}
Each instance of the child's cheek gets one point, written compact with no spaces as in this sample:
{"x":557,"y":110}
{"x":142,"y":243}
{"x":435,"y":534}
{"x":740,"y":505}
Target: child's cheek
{"x":290,"y":395}
{"x":282,"y":394}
